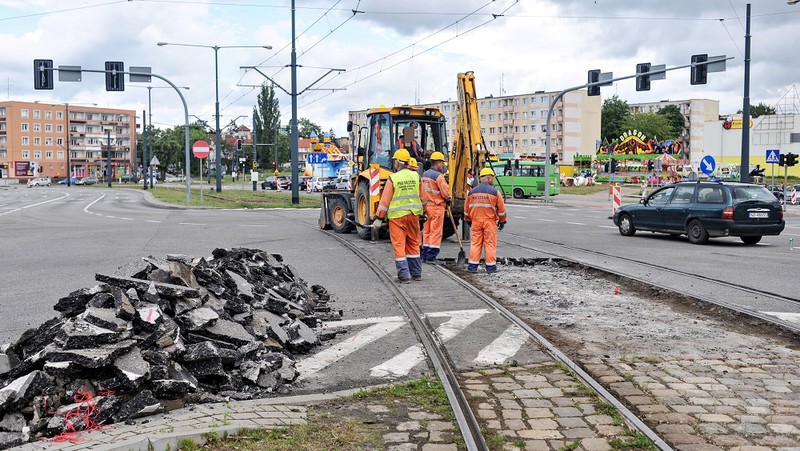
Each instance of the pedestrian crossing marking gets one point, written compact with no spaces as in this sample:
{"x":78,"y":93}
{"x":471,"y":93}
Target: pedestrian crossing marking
{"x":503,"y":347}
{"x":785,"y":316}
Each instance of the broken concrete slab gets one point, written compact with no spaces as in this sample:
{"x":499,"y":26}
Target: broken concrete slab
{"x":163,"y":289}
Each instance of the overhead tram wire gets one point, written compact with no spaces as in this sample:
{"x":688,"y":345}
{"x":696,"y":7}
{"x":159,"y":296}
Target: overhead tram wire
{"x":735,"y":44}
{"x":494,"y":17}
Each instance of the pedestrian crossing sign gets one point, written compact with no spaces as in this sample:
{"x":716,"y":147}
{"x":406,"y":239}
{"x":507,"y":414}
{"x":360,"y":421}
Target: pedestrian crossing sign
{"x":773,"y":156}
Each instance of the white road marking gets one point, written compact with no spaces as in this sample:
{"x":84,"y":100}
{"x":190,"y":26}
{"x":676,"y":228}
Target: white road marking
{"x":520,"y":217}
{"x":86,"y":208}
{"x":503,"y":347}
{"x":401,"y":364}
{"x":191,"y":223}
{"x":608,"y":227}
{"x":361,"y":321}
{"x":34,"y":205}
{"x":545,"y":220}
{"x":575,"y":223}
{"x":152,"y":220}
{"x":127,"y":219}
{"x":322,"y":359}
{"x":112,"y":217}
{"x":791,"y":317}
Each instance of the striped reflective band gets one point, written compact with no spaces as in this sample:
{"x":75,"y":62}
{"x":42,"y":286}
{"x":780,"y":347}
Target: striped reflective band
{"x":381,"y":207}
{"x":501,"y":214}
{"x":400,"y":259}
{"x":474,"y":263}
{"x":484,"y":205}
{"x":412,"y":256}
{"x":412,"y":196}
{"x":435,"y":191}
{"x":405,"y":207}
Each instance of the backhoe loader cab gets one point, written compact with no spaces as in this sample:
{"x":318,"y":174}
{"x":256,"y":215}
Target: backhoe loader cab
{"x":420,"y":130}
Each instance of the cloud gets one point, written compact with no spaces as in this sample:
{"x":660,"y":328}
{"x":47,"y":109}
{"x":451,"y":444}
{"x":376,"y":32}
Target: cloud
{"x":394,"y":52}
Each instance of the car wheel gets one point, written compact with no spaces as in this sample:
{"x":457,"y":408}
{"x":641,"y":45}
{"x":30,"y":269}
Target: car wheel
{"x":697,"y":232}
{"x":518,"y":193}
{"x":626,"y":227}
{"x":750,"y":239}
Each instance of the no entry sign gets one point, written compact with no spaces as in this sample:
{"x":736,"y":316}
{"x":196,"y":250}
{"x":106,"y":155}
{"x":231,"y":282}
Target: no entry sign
{"x":200,"y":149}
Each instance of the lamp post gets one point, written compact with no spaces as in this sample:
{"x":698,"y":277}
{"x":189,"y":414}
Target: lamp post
{"x":68,"y":134}
{"x":108,"y":154}
{"x":218,"y":158}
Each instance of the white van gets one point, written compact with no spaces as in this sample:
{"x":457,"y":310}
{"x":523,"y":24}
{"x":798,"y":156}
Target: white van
{"x":684,"y":170}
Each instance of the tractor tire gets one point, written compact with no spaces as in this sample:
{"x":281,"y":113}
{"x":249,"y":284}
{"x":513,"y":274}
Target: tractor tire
{"x":362,"y":211}
{"x":338,"y":215}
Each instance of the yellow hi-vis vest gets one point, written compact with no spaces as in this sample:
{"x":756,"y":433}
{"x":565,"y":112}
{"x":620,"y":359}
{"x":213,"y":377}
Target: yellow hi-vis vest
{"x":406,"y":194}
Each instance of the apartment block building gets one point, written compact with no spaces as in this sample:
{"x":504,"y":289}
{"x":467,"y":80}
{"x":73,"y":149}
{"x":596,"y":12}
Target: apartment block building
{"x":697,"y":113}
{"x":517,"y":124}
{"x":53,"y":140}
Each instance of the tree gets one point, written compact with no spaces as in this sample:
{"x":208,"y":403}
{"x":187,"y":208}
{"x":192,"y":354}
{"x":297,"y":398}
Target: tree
{"x":305,"y":127}
{"x":651,"y":124}
{"x":762,"y":109}
{"x":675,"y":119}
{"x":267,"y":120}
{"x":614,"y":113}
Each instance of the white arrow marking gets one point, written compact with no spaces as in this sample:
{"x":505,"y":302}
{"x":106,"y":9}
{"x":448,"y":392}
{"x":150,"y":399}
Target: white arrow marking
{"x":322,"y":359}
{"x":503,"y":347}
{"x":708,"y":165}
{"x":401,"y":364}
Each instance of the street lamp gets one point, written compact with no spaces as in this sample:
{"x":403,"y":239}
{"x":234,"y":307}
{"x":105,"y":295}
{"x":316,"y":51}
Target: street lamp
{"x":108,"y":129}
{"x":218,"y":158}
{"x":150,"y":134}
{"x":69,"y":134}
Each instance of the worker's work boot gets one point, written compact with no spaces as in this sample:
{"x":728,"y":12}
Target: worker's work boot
{"x":491,"y":269}
{"x":472,"y":267}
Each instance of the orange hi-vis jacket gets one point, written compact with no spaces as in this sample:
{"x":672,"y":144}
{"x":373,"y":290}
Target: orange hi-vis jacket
{"x":484,"y":203}
{"x":435,"y":189}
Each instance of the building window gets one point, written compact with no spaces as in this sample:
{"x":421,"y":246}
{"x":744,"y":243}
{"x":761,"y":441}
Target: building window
{"x":48,"y":141}
{"x":37,"y":128}
{"x":483,"y":117}
{"x":524,"y":114}
{"x":483,"y":104}
{"x":524,"y":101}
{"x":516,"y":102}
{"x":26,"y":155}
{"x":491,"y":117}
{"x":48,"y":155}
{"x":37,"y":154}
{"x":60,"y":154}
{"x":48,"y":114}
{"x":533,"y":99}
{"x":60,"y":128}
{"x":524,"y":143}
{"x":516,"y":115}
{"x":447,"y":107}
{"x":59,"y":115}
{"x":24,"y":126}
{"x":545,"y":99}
{"x":26,"y":141}
{"x":23,"y":113}
{"x":544,"y":114}
{"x":48,"y":128}
{"x":37,"y":114}
{"x":37,"y":141}
{"x":491,"y":104}
{"x":60,"y":141}
{"x":524,"y":129}
{"x":2,"y":112}
{"x":794,"y":137}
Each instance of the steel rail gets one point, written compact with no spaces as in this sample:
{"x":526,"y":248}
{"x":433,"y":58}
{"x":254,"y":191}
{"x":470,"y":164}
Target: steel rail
{"x":632,"y":419}
{"x":793,"y":327}
{"x":468,"y":424}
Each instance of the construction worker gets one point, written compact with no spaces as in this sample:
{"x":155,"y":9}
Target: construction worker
{"x":485,"y":211}
{"x":435,"y":197}
{"x":412,"y":164}
{"x":401,"y":204}
{"x":407,"y":141}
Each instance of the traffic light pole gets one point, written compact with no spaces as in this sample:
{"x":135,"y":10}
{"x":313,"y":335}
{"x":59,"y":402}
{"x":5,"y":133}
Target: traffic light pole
{"x":600,"y":83}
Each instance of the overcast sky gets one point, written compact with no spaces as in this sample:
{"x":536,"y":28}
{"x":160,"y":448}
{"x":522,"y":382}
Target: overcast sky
{"x":393,"y":52}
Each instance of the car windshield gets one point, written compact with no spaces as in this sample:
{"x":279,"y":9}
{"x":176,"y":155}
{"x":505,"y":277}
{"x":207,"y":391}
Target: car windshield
{"x":752,"y":193}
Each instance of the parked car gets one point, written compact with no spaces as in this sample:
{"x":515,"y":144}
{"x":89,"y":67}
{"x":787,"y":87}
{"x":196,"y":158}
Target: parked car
{"x":72,"y":181}
{"x":272,"y":182}
{"x":87,"y":181}
{"x":268,"y":182}
{"x":776,"y":191}
{"x":702,"y":210}
{"x":343,"y":183}
{"x":39,"y":181}
{"x":323,"y":184}
{"x":171,"y":178}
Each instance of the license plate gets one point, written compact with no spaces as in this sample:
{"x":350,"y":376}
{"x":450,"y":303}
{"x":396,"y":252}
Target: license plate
{"x":759,"y":215}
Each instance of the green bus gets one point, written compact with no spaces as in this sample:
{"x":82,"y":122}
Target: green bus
{"x":524,"y":178}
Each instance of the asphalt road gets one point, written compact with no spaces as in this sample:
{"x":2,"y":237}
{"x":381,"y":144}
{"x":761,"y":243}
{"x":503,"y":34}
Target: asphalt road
{"x":57,"y":238}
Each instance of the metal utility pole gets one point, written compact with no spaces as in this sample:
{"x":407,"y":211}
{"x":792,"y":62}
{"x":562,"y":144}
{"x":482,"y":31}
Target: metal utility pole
{"x":150,"y":130}
{"x":744,"y":167}
{"x":108,"y":157}
{"x":255,"y":188}
{"x":144,"y":149}
{"x":293,"y":144}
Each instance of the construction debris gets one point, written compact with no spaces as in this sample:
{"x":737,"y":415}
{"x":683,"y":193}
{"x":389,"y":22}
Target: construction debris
{"x":158,"y":333}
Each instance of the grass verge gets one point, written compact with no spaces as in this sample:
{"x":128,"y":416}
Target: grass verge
{"x":233,"y":198}
{"x":583,"y":189}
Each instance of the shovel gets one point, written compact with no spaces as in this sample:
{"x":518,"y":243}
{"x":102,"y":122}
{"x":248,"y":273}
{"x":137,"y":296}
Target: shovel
{"x":461,"y":259}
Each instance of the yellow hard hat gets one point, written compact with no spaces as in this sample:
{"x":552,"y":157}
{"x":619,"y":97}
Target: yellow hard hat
{"x":402,"y":155}
{"x":412,"y":163}
{"x":487,"y":171}
{"x":437,"y":156}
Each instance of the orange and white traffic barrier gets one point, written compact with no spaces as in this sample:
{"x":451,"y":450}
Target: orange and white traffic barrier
{"x":374,"y":182}
{"x":794,"y":196}
{"x":616,"y":199}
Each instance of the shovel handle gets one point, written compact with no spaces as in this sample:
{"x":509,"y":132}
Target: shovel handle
{"x":455,"y":229}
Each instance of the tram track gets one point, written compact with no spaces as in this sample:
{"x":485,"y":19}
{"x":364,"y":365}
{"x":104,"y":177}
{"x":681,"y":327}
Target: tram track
{"x":793,"y":327}
{"x":468,"y":423}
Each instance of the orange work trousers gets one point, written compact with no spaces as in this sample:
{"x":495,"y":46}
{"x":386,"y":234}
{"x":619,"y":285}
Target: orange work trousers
{"x":484,"y":236}
{"x":432,"y":233}
{"x":404,"y":233}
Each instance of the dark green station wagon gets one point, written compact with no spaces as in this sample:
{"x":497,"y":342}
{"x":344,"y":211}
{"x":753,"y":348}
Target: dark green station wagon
{"x":702,"y":210}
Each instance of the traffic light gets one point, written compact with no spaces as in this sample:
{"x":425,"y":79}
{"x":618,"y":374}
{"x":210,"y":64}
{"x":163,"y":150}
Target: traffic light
{"x":255,"y":165}
{"x":115,"y":80}
{"x":275,"y":164}
{"x":782,"y":160}
{"x":699,"y":73}
{"x":42,"y":74}
{"x":642,"y":81}
{"x":553,"y":158}
{"x":594,"y":77}
{"x":613,"y":166}
{"x":238,"y":144}
{"x":650,"y":165}
{"x":791,"y":159}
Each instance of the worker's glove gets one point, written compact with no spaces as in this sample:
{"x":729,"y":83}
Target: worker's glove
{"x":448,"y":202}
{"x":377,"y":223}
{"x":422,"y":218}
{"x":501,"y":225}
